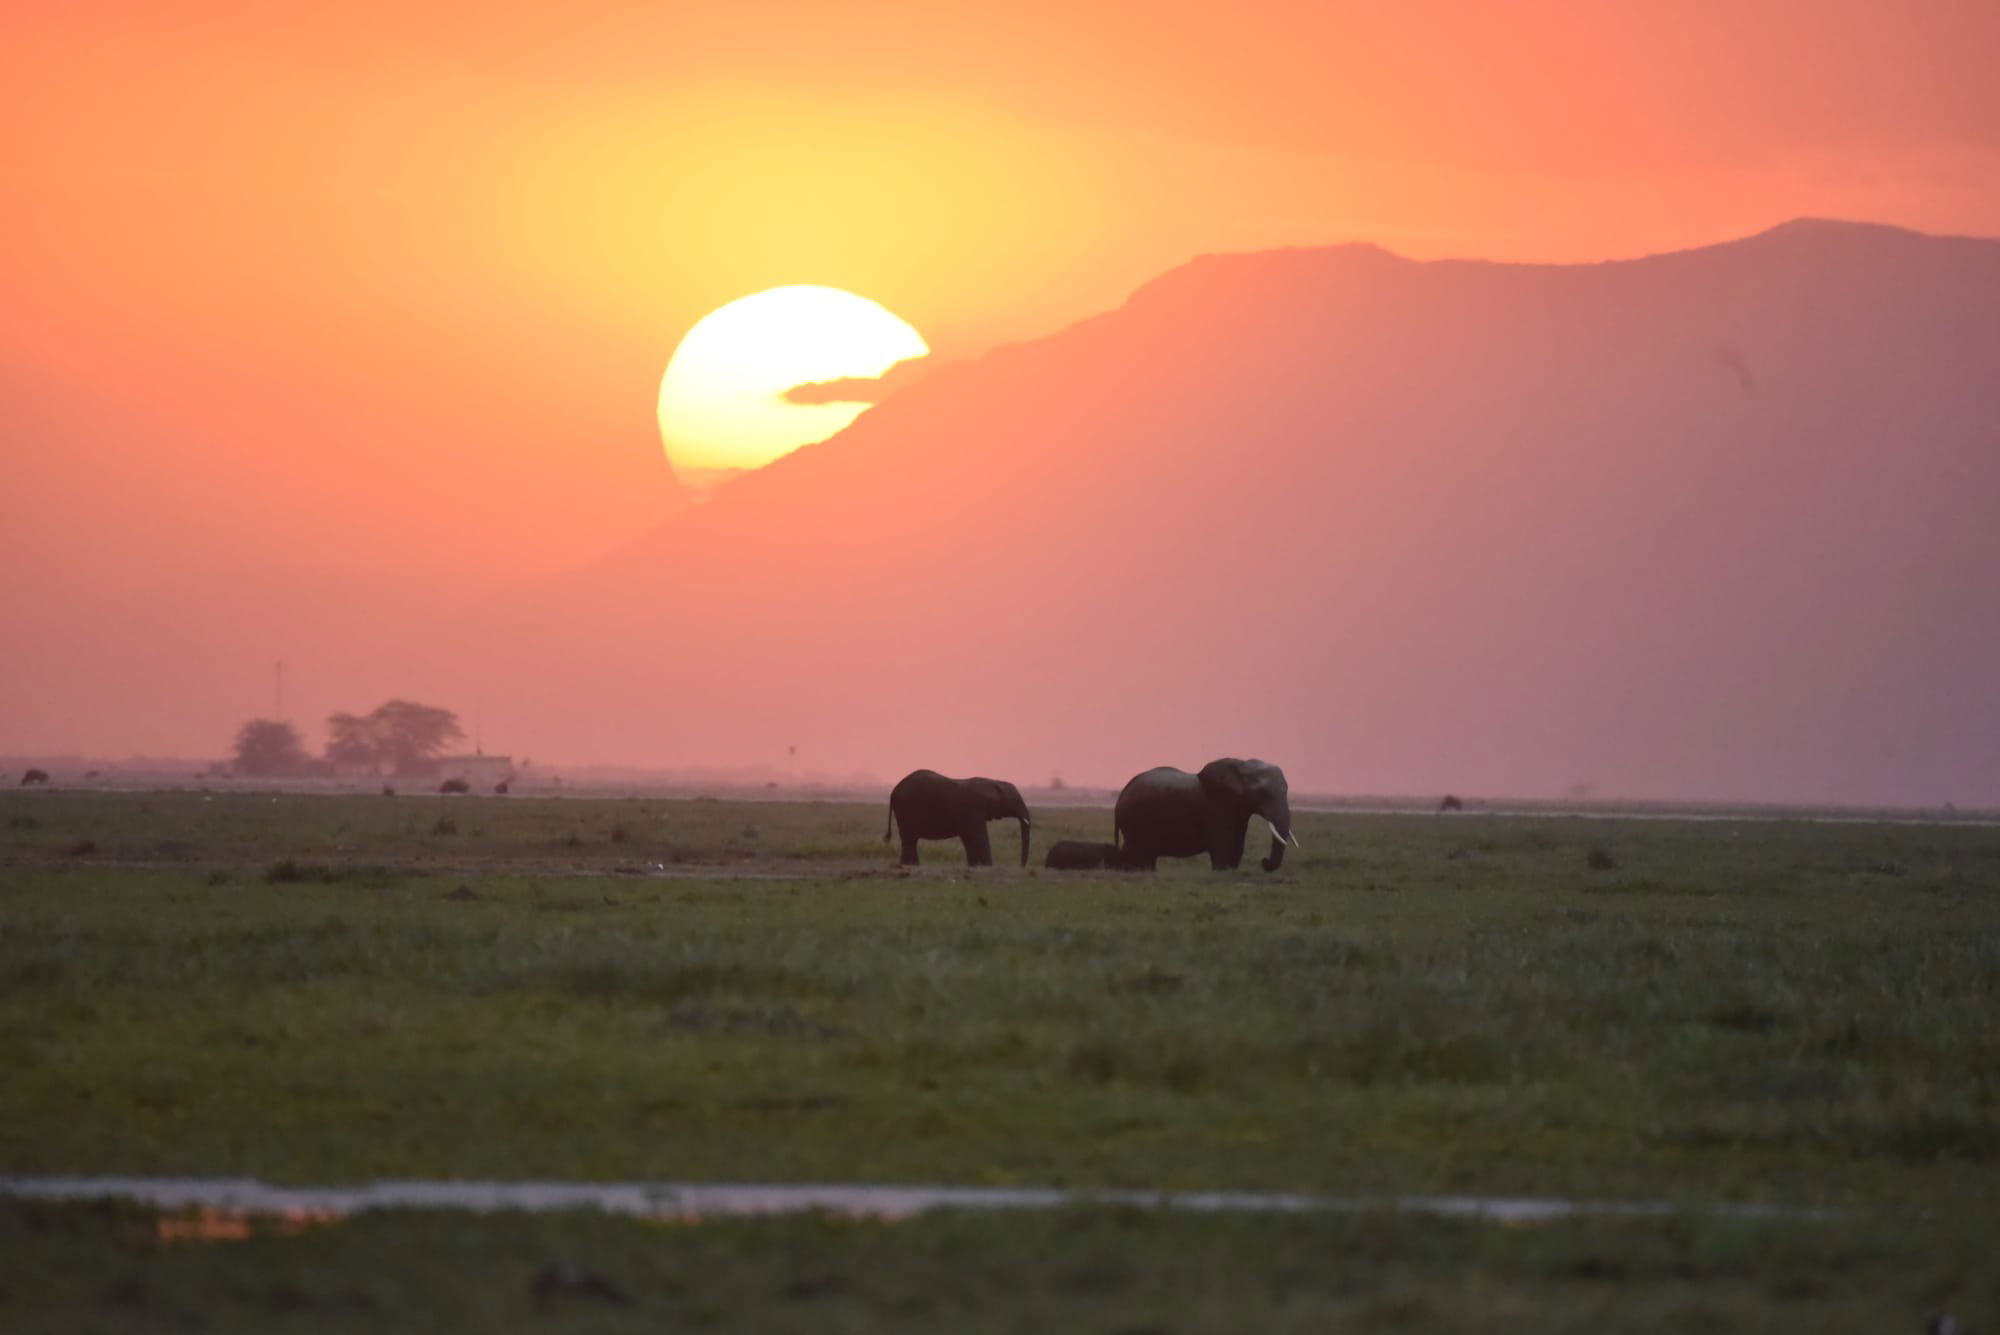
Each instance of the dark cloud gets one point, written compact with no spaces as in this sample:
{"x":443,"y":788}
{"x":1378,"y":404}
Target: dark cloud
{"x":862,"y":389}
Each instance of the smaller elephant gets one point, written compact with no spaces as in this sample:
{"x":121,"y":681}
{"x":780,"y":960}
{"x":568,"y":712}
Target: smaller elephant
{"x":454,"y":786}
{"x":927,"y":805}
{"x":33,"y":777}
{"x":1077,"y":855}
{"x":501,"y":787}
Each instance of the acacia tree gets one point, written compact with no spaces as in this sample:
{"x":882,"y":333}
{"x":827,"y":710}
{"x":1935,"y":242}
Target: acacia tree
{"x":413,"y":733}
{"x":351,"y":740}
{"x":399,"y":734}
{"x":267,"y":748}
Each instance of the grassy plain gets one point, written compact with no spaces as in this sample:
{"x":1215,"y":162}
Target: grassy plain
{"x":316,"y":988}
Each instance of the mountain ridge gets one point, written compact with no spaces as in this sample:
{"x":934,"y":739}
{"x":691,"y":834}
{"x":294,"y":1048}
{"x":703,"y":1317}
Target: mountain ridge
{"x":1413,"y":523}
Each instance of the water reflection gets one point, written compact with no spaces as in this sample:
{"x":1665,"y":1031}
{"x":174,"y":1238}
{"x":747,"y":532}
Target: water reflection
{"x":209,"y":1223}
{"x":215,"y":1209}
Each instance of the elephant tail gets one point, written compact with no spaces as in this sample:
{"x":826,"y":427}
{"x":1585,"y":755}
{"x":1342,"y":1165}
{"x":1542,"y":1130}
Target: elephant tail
{"x":890,"y":826}
{"x":1117,"y":831}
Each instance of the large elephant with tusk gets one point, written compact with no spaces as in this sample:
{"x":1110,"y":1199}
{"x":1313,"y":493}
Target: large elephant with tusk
{"x":927,"y":805}
{"x":1170,"y":813}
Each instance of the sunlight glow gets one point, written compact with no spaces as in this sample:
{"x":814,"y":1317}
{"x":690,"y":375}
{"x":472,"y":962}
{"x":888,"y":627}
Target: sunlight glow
{"x":722,"y":408}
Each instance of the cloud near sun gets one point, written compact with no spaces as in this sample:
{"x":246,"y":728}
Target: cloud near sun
{"x":726,"y":402}
{"x":862,"y":389}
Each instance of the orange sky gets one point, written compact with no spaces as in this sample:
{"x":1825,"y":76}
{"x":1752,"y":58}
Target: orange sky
{"x":378,"y":296}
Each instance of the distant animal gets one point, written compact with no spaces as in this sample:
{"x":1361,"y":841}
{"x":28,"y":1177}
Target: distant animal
{"x":927,"y":805}
{"x":32,"y":777}
{"x":454,"y":786}
{"x":1167,"y":812}
{"x":388,"y":790}
{"x":501,"y":787}
{"x":561,"y":1280}
{"x":1076,"y":855}
{"x":1450,"y":803}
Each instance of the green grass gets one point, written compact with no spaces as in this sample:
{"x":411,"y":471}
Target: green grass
{"x":312,"y":988}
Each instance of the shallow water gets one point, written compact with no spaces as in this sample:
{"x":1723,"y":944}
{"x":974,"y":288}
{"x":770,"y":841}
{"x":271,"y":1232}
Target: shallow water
{"x":691,"y":1201}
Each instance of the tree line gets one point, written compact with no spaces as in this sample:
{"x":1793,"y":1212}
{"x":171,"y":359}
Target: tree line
{"x":398,"y":737}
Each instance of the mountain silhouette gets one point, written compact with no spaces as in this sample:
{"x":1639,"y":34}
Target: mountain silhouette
{"x":1717,"y":523}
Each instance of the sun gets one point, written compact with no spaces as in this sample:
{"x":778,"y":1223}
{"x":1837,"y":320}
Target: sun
{"x":722,"y":404}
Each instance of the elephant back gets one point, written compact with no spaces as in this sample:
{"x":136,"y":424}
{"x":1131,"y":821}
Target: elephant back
{"x":1161,"y":780}
{"x":1161,"y":811}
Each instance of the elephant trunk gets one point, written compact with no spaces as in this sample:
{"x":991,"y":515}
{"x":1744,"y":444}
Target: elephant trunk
{"x":1016,"y":806}
{"x":1278,"y":812}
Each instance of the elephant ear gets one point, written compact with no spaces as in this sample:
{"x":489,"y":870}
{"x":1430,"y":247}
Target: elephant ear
{"x":989,"y":793}
{"x":1225,"y":781}
{"x":1262,"y":774}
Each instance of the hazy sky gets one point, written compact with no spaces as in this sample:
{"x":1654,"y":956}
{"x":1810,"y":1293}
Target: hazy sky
{"x":301,"y":310}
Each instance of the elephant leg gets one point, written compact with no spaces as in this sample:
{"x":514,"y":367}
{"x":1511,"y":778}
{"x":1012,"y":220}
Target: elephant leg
{"x":978,"y":845}
{"x":1226,"y":832}
{"x":909,"y":849}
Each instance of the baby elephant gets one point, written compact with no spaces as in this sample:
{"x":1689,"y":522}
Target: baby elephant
{"x":1076,"y":855}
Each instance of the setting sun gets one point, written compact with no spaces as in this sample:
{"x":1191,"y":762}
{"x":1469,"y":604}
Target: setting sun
{"x":722,"y":404}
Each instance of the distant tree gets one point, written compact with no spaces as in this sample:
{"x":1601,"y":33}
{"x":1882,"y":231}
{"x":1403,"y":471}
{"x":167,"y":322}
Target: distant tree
{"x":351,"y":740}
{"x":270,"y":749}
{"x":400,"y":734}
{"x":412,"y":733}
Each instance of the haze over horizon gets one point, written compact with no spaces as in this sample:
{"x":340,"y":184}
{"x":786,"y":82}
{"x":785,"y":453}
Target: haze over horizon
{"x":342,"y":350}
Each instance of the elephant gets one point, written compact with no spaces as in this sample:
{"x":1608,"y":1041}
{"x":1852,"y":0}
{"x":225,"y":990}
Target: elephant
{"x":927,"y":805}
{"x":33,"y":777}
{"x":1168,"y":812}
{"x":454,"y":786}
{"x":1075,"y":855}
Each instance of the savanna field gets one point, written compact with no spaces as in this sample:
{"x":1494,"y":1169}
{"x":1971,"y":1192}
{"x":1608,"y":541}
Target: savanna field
{"x":335,"y":989}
